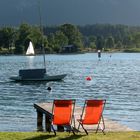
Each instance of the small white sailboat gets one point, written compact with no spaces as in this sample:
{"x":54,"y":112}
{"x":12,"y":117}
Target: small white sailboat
{"x":30,"y":50}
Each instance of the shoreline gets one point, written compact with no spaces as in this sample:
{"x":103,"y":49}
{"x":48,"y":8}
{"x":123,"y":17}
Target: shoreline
{"x":80,"y":52}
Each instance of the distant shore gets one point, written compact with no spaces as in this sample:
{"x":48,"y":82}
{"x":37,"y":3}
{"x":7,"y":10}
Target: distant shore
{"x":130,"y":50}
{"x":87,"y":50}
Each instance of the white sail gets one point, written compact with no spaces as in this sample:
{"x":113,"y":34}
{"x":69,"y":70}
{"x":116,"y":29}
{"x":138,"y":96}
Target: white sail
{"x":30,"y":50}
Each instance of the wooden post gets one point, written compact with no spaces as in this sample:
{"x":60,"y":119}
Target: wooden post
{"x":60,"y":128}
{"x":47,"y":123}
{"x":39,"y":121}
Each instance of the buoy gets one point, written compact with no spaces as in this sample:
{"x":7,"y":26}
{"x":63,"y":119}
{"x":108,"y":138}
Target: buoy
{"x":88,"y":78}
{"x":49,"y":88}
{"x":99,"y":54}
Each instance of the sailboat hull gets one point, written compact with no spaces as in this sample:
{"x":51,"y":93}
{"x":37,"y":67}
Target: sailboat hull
{"x":36,"y":75}
{"x":45,"y":78}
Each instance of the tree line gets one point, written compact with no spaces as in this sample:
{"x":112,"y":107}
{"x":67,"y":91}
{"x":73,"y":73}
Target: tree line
{"x":106,"y":37}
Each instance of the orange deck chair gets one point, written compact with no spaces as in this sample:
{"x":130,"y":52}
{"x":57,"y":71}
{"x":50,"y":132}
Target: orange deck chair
{"x":63,"y":111}
{"x":92,"y":114}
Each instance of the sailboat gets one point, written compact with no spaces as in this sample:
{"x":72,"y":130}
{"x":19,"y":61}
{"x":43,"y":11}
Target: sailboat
{"x":30,"y":49}
{"x":36,"y":74}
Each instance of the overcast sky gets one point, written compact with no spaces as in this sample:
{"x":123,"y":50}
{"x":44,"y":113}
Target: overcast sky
{"x":79,"y":12}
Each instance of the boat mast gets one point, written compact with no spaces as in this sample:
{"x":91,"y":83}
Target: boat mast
{"x":41,"y":30}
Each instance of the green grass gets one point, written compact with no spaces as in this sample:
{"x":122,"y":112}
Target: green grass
{"x":67,"y":136}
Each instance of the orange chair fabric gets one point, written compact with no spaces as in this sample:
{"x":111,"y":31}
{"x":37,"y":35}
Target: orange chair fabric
{"x":93,"y":112}
{"x":62,"y":112}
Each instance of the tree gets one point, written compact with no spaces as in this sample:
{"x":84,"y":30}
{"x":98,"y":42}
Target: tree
{"x":92,"y":45}
{"x":7,"y":35}
{"x":73,"y":34}
{"x":51,"y":42}
{"x":23,"y":38}
{"x":35,"y":36}
{"x":110,"y":42}
{"x":92,"y":42}
{"x":57,"y":40}
{"x":92,"y":38}
{"x":27,"y":33}
{"x":38,"y":38}
{"x":137,"y":39}
{"x":99,"y":43}
{"x":60,"y":41}
{"x":119,"y":45}
{"x":19,"y":49}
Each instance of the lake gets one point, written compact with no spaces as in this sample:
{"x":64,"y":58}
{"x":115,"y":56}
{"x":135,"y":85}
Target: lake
{"x":115,"y":78}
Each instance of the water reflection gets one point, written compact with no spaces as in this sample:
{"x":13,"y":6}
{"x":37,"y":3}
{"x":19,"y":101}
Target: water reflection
{"x":30,"y":60}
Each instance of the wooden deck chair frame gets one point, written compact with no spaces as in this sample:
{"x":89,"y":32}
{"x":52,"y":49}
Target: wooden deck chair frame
{"x":66,"y":106}
{"x":81,"y":120}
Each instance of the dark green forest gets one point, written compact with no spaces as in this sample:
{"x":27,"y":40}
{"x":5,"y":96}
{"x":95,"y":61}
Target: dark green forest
{"x":88,"y":38}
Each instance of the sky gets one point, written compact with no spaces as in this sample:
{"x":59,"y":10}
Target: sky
{"x":79,"y":12}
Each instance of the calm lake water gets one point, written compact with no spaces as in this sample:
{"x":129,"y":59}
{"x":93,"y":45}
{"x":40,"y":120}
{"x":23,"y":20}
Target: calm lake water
{"x":115,"y":78}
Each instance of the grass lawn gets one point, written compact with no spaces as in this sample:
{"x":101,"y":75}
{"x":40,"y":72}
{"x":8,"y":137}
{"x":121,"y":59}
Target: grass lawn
{"x":67,"y":136}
